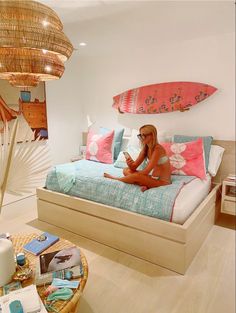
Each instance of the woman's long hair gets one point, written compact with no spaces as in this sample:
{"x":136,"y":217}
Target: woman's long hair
{"x":150,"y":129}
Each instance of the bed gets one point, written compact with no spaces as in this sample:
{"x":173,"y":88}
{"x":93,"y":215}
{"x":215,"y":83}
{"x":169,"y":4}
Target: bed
{"x":170,"y":244}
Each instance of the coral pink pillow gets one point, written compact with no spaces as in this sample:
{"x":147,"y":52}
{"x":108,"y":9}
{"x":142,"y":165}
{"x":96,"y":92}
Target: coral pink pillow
{"x":186,"y":158}
{"x":99,"y":147}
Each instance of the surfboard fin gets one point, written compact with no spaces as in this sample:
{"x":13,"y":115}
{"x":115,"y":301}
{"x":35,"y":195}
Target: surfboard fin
{"x":184,"y":109}
{"x":120,"y":111}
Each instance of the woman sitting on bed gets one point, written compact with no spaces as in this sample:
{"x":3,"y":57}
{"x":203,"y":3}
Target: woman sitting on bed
{"x":157,"y":172}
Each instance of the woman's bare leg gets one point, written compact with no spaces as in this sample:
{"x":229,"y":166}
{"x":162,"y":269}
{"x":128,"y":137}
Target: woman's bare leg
{"x":106,"y":175}
{"x":139,"y":179}
{"x":126,"y":171}
{"x":143,"y":188}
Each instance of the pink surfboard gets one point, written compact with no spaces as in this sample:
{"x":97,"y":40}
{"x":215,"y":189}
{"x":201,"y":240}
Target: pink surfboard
{"x":162,"y":98}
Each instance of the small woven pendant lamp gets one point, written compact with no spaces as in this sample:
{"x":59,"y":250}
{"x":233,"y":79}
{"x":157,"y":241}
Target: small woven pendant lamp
{"x":33,"y":47}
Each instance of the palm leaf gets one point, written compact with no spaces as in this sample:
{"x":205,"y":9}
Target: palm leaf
{"x":24,"y":166}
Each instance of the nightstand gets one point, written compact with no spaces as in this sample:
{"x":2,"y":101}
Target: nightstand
{"x":81,"y":156}
{"x":228,"y":200}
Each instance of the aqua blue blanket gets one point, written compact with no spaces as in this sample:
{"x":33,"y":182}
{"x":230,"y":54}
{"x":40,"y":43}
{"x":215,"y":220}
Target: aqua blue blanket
{"x":85,"y":180}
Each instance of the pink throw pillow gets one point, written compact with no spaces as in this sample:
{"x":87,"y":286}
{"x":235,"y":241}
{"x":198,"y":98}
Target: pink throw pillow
{"x":186,"y":158}
{"x":99,"y":147}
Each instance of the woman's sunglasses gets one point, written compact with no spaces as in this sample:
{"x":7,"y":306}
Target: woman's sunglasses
{"x":142,"y":136}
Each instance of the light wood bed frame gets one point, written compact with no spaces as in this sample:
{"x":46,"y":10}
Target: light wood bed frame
{"x":167,"y":244}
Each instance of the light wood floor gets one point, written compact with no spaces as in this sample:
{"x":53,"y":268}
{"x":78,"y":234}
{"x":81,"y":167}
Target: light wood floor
{"x":119,"y":283}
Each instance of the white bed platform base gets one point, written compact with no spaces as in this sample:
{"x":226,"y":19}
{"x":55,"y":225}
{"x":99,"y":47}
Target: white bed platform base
{"x":170,"y":245}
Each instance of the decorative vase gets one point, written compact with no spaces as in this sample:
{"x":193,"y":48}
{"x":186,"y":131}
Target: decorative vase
{"x":25,"y":96}
{"x":7,"y":262}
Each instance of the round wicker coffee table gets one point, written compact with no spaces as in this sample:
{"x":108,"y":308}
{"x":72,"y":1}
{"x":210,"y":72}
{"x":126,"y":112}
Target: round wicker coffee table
{"x":61,"y":306}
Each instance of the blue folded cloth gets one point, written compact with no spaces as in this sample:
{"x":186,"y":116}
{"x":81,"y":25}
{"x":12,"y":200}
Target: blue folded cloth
{"x":61,"y":283}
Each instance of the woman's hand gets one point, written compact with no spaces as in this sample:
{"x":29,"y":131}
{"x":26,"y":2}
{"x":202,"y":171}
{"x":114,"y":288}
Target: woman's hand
{"x":133,"y":165}
{"x":130,"y":162}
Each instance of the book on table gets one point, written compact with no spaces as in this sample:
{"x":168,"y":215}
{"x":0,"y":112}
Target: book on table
{"x":28,"y":297}
{"x":59,"y":260}
{"x":41,"y":243}
{"x":68,"y":273}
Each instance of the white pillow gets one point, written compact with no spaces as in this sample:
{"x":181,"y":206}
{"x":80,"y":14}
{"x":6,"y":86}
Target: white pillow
{"x":134,"y":153}
{"x":215,"y":158}
{"x":124,"y":144}
{"x":134,"y":141}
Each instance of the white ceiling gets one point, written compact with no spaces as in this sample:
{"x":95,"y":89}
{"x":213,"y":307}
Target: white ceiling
{"x":71,"y":11}
{"x":108,"y":25}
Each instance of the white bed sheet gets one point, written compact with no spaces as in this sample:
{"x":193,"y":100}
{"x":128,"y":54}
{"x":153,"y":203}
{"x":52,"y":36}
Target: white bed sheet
{"x":189,"y":198}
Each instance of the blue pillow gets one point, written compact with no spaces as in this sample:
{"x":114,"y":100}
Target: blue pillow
{"x":207,"y":140}
{"x":117,"y":139}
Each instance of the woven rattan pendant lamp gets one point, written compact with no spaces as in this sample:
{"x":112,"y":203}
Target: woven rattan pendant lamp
{"x":33,"y":47}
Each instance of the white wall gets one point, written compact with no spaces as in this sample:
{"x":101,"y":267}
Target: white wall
{"x":148,"y":52}
{"x":64,"y":114}
{"x":207,"y":60}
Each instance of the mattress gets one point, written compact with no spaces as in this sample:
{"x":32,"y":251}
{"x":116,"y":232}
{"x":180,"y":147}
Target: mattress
{"x":85,"y":179}
{"x":191,"y":195}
